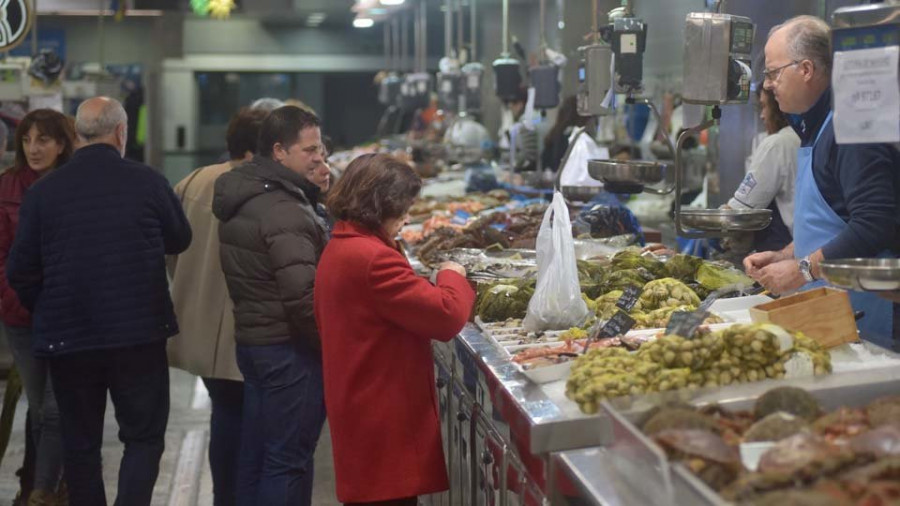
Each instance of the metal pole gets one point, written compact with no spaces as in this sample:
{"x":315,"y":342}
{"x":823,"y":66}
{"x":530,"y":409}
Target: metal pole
{"x":404,"y":38}
{"x":543,"y":25}
{"x":595,"y":28}
{"x":417,"y":38}
{"x":395,"y":47}
{"x":386,"y":32}
{"x":505,"y":27}
{"x":100,"y":36}
{"x":448,"y":28}
{"x":459,"y":28}
{"x":473,"y":33}
{"x":423,"y":16}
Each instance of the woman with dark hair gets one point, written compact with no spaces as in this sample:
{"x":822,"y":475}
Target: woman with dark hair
{"x":769,"y":183}
{"x":44,"y":140}
{"x":557,"y":140}
{"x":376,"y":319}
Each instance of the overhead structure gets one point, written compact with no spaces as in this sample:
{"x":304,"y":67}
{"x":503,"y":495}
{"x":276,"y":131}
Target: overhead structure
{"x":545,"y":75}
{"x":507,"y":74}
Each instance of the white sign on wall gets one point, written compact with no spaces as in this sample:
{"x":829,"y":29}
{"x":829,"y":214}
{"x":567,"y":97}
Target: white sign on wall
{"x":866,"y":95}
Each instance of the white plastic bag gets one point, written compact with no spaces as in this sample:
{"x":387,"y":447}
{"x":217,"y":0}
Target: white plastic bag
{"x":556,"y":303}
{"x":575,"y":172}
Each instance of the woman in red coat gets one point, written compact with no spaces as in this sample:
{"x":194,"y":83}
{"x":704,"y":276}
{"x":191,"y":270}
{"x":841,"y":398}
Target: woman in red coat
{"x":377,"y":318}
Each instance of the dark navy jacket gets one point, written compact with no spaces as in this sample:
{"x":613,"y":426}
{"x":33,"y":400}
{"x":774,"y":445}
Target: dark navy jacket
{"x":89,"y":255}
{"x":861,"y":183}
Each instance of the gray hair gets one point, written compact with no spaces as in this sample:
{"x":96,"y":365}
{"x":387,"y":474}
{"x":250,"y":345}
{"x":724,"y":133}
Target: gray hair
{"x":89,"y":126}
{"x":267,"y":104}
{"x":808,"y":38}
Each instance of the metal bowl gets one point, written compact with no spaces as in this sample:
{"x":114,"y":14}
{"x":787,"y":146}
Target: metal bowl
{"x":863,"y":274}
{"x":580,"y":193}
{"x":725,"y":220}
{"x":639,"y":172}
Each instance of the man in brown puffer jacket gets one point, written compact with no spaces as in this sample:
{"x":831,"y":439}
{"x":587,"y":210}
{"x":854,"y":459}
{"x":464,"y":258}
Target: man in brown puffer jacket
{"x":270,"y":243}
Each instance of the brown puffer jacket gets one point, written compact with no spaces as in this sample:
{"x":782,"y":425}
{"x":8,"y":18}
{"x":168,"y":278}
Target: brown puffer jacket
{"x":270,"y":243}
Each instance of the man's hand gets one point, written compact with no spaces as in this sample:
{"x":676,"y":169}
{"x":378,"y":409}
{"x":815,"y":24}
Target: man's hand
{"x":781,"y":277}
{"x":757,"y":261}
{"x":453,"y":266}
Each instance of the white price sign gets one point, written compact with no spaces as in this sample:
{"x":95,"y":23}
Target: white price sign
{"x":866,"y":95}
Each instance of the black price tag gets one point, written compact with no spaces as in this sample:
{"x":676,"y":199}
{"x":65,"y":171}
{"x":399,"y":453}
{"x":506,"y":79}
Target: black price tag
{"x":629,"y":297}
{"x":618,"y":325}
{"x":685,"y":324}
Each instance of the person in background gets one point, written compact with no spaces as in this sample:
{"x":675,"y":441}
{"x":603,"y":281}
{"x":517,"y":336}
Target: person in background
{"x":270,"y":241}
{"x":44,"y":140}
{"x":845,"y":203}
{"x":556,"y":143}
{"x":88,"y":262}
{"x":769,"y":183}
{"x":204,"y":310}
{"x":377,"y":318}
{"x":324,"y":179}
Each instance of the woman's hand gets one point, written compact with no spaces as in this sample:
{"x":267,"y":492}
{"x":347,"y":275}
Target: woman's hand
{"x":453,"y":266}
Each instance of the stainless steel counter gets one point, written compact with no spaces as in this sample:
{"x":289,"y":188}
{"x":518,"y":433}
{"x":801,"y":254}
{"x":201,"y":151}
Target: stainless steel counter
{"x":544,"y":421}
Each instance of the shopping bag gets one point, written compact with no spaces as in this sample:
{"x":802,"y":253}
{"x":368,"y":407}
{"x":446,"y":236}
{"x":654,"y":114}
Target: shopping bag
{"x":582,"y":149}
{"x":556,"y":303}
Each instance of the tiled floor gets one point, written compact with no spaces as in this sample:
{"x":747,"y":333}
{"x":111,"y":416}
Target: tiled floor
{"x":182,"y":419}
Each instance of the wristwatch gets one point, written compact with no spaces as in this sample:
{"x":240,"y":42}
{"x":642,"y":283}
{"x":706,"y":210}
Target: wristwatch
{"x":806,"y":269}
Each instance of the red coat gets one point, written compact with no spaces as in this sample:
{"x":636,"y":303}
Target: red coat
{"x":13,"y":184}
{"x":377,"y":318}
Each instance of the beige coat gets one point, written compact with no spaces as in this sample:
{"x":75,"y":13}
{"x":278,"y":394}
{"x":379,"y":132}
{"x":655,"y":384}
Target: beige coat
{"x":205,"y":346}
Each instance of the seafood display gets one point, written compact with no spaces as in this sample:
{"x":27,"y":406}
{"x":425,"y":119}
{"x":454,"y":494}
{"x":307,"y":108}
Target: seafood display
{"x":738,"y":354}
{"x":847,"y":457}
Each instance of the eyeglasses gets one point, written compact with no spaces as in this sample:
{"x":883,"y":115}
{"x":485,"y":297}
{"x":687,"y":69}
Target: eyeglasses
{"x":773,"y":74}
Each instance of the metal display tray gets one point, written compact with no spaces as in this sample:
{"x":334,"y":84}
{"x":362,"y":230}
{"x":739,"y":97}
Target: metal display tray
{"x":863,"y":274}
{"x":632,"y":171}
{"x":725,"y":220}
{"x":545,"y":425}
{"x":668,"y":483}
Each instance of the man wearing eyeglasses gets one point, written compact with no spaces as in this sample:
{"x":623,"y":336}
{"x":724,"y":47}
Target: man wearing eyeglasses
{"x":846,"y":195}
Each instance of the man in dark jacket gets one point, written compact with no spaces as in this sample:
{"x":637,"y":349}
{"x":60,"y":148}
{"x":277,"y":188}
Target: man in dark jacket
{"x":89,"y":262}
{"x":270,"y":242}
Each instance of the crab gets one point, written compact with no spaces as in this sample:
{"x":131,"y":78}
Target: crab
{"x":843,"y":424}
{"x":881,"y":442}
{"x":703,"y":452}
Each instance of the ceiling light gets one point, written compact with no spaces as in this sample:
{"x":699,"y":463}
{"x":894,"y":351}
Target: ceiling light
{"x":392,"y":2}
{"x":363,"y":22}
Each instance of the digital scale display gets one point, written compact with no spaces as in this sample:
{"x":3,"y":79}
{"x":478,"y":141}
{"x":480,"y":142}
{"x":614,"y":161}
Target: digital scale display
{"x":742,"y":38}
{"x":848,"y":39}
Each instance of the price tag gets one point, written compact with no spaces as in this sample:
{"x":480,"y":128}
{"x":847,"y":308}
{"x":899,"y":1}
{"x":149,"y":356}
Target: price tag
{"x":618,"y":325}
{"x":866,"y":95}
{"x":629,"y":297}
{"x":685,"y":324}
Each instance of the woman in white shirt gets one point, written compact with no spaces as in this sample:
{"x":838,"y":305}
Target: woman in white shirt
{"x":769,"y":183}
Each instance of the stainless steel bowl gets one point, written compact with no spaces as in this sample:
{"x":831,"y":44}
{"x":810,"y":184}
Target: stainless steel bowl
{"x":863,"y":274}
{"x":580,"y":193}
{"x":629,"y":172}
{"x":725,"y":220}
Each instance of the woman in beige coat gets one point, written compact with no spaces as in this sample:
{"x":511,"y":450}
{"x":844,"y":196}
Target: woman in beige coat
{"x":205,"y":346}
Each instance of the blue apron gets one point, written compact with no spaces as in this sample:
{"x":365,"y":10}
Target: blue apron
{"x":815,"y":224}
